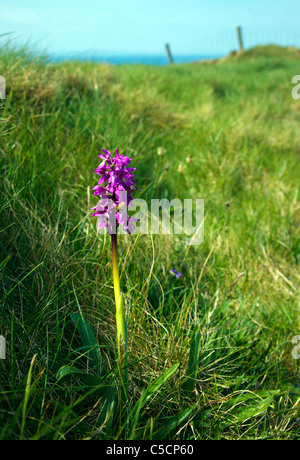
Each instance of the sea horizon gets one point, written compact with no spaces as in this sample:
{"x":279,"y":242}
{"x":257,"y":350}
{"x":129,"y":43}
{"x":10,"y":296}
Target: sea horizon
{"x":130,"y":58}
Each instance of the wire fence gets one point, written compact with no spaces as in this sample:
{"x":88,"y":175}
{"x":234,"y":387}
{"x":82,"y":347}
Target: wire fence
{"x":223,"y":43}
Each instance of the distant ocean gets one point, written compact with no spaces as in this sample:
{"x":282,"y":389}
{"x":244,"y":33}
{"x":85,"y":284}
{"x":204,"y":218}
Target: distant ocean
{"x":119,"y":59}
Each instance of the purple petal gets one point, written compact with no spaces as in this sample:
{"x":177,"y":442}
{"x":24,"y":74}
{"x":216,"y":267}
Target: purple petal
{"x":176,"y":273}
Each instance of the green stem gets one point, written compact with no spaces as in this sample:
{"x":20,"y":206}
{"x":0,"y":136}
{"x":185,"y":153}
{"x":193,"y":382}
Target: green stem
{"x":120,"y":319}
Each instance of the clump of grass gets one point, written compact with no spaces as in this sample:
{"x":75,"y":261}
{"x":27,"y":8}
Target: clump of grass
{"x":231,"y":331}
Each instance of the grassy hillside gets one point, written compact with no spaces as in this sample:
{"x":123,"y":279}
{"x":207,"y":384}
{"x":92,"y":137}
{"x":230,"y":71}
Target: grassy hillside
{"x":238,"y":299}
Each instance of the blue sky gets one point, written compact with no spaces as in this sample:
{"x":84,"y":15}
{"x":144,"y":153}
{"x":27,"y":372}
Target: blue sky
{"x":144,"y":26}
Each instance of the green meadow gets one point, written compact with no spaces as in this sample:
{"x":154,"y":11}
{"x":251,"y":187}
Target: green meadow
{"x":210,"y":354}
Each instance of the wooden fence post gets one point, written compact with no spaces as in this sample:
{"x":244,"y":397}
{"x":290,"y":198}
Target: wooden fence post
{"x":239,"y":32}
{"x":169,"y":53}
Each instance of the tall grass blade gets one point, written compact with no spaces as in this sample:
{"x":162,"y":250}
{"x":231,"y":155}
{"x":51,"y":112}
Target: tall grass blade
{"x":172,"y":423}
{"x":108,"y":408}
{"x":89,"y":341}
{"x":146,"y":395}
{"x":90,"y":381}
{"x":193,"y":364}
{"x":26,"y":398}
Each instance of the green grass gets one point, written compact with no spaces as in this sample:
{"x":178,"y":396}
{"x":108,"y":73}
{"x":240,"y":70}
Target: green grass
{"x":228,"y":322}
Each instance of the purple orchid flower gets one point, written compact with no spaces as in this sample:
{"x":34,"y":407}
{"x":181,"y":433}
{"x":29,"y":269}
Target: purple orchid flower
{"x":115,"y":188}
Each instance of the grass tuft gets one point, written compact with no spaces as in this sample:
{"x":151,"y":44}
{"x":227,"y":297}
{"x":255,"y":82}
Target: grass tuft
{"x":239,"y":291}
